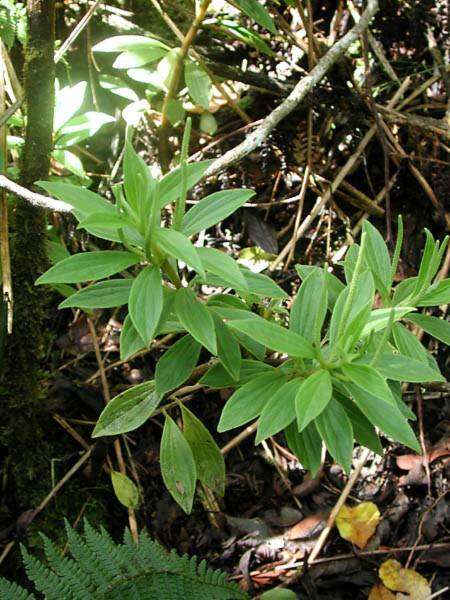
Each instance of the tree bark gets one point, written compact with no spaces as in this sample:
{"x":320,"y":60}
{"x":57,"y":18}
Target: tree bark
{"x":29,"y":457}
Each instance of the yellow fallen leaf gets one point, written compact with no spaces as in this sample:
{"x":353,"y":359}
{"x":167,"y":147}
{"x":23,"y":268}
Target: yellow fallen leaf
{"x":357,"y":524}
{"x":398,"y":579}
{"x":379,"y":592}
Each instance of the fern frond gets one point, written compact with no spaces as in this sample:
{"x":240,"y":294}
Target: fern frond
{"x":100,"y":569}
{"x":11,"y":591}
{"x":68,"y":570}
{"x":86,"y":558}
{"x":44,"y":579}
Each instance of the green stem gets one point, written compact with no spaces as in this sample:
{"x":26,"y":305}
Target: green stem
{"x":352,"y":290}
{"x":180,"y":206}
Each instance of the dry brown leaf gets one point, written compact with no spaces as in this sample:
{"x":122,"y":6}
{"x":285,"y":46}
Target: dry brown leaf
{"x":357,"y":524}
{"x":307,"y":528}
{"x":379,"y":592}
{"x":398,"y":579}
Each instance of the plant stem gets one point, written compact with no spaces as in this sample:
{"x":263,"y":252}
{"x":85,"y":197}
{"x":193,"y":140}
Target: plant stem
{"x":174,"y":81}
{"x":352,"y":289}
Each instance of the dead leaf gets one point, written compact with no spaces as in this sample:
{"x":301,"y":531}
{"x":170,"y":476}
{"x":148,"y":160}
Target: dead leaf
{"x":415,"y":463}
{"x":307,"y":528}
{"x":357,"y":524}
{"x":379,"y":592}
{"x":398,"y":579}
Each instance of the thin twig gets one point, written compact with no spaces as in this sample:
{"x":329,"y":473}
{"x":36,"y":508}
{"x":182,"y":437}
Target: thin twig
{"x":107,"y":399}
{"x":337,"y":507}
{"x":305,"y":85}
{"x":5,"y":260}
{"x":345,"y":170}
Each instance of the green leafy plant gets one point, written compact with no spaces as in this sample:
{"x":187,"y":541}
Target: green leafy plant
{"x":70,"y":128}
{"x":337,"y":358}
{"x":98,"y":568}
{"x":12,"y":22}
{"x":146,"y":60}
{"x":345,"y":359}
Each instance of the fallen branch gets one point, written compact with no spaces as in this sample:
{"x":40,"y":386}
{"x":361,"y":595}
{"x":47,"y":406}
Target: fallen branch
{"x":32,"y":197}
{"x":301,"y":90}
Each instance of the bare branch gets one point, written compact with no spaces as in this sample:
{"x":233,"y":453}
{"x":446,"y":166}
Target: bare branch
{"x":303,"y":87}
{"x":35,"y":199}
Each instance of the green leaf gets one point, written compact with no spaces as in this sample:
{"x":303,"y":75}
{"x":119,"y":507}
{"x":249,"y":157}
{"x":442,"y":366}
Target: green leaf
{"x":438,"y":328}
{"x":170,"y":185}
{"x":246,"y":35}
{"x":385,"y":416}
{"x":198,"y":83}
{"x":146,"y":302}
{"x":224,"y":266}
{"x":228,"y":349}
{"x":404,"y":291}
{"x":138,"y":57}
{"x":248,"y":401}
{"x":437,"y":294}
{"x":312,"y":397}
{"x":105,"y":294}
{"x":175,"y":111}
{"x":128,"y":411}
{"x":123,"y":43}
{"x":279,"y":594}
{"x":57,"y":251}
{"x":309,"y":308}
{"x":109,"y":220}
{"x":195,"y":318}
{"x":176,"y":364}
{"x":307,"y":446}
{"x":209,"y":461}
{"x":279,"y":411}
{"x":364,"y":295}
{"x":82,"y":127}
{"x":178,"y":465}
{"x":408,"y":344}
{"x":336,"y":431}
{"x":88,"y":266}
{"x":213,"y":209}
{"x":350,"y":262}
{"x":369,"y":379}
{"x":428,"y":265}
{"x":117,"y":86}
{"x":275,"y":337}
{"x":84,"y":202}
{"x":254,"y":348}
{"x":334,"y":285}
{"x":261,"y":285}
{"x":177,"y":245}
{"x":404,"y":368}
{"x":137,"y":179}
{"x":218,"y":377}
{"x":364,"y":432}
{"x":380,"y":317}
{"x":125,"y":490}
{"x":396,"y":389}
{"x":69,"y":161}
{"x":208,"y":123}
{"x":130,"y":340}
{"x":68,"y":101}
{"x":378,"y":259}
{"x":259,"y":13}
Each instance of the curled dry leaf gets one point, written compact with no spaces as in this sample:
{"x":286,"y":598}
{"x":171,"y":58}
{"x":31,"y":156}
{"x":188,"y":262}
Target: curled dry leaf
{"x":307,"y":528}
{"x":357,"y":524}
{"x":410,"y":584}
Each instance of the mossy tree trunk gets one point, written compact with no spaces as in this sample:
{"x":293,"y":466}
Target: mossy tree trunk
{"x":21,"y":410}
